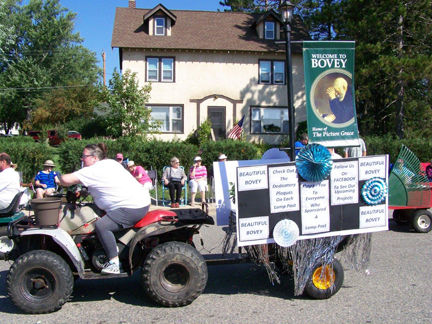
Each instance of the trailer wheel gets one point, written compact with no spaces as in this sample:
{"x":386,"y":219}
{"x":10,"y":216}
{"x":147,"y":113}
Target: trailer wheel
{"x":174,"y":274}
{"x":422,"y":221}
{"x":39,"y":282}
{"x":325,"y":281}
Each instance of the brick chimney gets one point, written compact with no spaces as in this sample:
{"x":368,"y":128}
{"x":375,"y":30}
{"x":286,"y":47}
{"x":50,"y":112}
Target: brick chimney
{"x":132,"y":4}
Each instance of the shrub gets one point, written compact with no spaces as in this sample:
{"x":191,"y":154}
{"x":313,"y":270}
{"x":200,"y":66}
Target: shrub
{"x":27,"y":154}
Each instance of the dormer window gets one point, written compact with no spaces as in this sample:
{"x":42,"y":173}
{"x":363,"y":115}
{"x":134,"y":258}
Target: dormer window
{"x":160,"y":26}
{"x":269,"y":30}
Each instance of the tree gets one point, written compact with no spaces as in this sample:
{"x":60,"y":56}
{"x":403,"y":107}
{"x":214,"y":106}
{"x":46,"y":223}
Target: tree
{"x":44,"y":54}
{"x":251,"y":5}
{"x":127,"y":113}
{"x":393,"y":64}
{"x":62,"y":105}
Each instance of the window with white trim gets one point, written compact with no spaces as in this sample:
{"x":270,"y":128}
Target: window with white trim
{"x":160,"y":69}
{"x":169,"y":118}
{"x":269,"y":30}
{"x":269,"y":120}
{"x":271,"y":72}
{"x":159,"y":26}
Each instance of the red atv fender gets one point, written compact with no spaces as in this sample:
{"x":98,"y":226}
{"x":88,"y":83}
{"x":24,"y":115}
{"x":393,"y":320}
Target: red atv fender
{"x":158,"y":222}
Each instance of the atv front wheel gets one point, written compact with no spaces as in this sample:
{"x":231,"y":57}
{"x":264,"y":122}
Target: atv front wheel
{"x":39,"y":282}
{"x":325,"y":280}
{"x":174,"y":274}
{"x":422,"y":221}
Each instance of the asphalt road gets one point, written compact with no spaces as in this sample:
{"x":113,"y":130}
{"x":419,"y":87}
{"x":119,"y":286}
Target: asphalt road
{"x":396,"y":290}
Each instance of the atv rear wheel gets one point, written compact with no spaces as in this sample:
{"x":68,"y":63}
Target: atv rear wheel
{"x":174,"y":274}
{"x":422,"y":221}
{"x":325,"y":281}
{"x":39,"y":282}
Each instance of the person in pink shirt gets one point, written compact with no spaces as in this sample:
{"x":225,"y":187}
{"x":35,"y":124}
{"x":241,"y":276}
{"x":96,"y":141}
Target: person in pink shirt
{"x":139,"y":173}
{"x":198,"y":179}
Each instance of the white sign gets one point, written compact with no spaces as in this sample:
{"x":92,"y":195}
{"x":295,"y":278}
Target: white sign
{"x":371,"y":167}
{"x":373,"y":216}
{"x":344,"y":183}
{"x":315,"y":210}
{"x":284,"y":189}
{"x":254,"y":228}
{"x":252,"y":178}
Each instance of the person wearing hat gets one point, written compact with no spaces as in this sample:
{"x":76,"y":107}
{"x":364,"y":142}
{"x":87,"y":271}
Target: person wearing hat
{"x":198,"y":179}
{"x":222,"y":157}
{"x":139,"y":173}
{"x":9,"y":181}
{"x":46,"y":180}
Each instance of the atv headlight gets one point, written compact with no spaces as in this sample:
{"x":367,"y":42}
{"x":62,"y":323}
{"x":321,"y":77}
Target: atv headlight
{"x":6,"y":244}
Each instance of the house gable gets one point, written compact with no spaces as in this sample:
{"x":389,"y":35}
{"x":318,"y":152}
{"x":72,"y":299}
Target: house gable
{"x":158,"y":21}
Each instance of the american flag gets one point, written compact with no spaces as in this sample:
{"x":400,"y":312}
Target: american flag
{"x":237,"y":130}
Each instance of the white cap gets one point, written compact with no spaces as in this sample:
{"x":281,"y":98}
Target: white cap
{"x":222,"y":157}
{"x":197,"y":158}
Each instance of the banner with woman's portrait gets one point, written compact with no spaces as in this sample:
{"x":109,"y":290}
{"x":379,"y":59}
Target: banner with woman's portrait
{"x":329,"y":85}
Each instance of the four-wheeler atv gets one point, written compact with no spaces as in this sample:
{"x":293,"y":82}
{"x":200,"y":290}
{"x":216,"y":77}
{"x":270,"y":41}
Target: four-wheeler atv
{"x":48,"y":257}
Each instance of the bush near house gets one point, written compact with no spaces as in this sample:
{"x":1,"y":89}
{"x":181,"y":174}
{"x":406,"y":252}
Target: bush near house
{"x":27,"y":154}
{"x":421,"y":147}
{"x":155,"y":154}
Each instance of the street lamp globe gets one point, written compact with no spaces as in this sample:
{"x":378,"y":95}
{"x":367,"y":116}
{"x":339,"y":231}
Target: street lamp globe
{"x":287,"y":11}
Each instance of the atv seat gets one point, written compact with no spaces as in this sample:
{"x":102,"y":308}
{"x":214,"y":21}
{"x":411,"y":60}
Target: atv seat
{"x":13,"y":206}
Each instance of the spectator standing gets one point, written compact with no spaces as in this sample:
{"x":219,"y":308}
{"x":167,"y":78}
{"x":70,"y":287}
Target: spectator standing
{"x":174,"y":178}
{"x":139,"y":173}
{"x":198,"y":179}
{"x":9,"y":181}
{"x":304,"y":140}
{"x":356,"y":151}
{"x":120,"y":159}
{"x":46,"y":180}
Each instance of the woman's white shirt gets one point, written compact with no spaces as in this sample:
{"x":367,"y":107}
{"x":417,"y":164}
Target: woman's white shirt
{"x":112,"y":186}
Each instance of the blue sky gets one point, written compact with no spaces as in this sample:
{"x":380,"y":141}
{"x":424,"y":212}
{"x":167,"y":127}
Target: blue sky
{"x":95,"y":21}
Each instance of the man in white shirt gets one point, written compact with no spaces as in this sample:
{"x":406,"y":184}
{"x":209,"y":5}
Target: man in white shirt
{"x":9,"y":181}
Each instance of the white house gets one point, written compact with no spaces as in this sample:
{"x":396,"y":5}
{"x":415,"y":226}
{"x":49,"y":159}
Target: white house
{"x":212,"y":65}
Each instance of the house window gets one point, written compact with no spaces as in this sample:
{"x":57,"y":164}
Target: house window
{"x":269,"y":30}
{"x":159,"y":26}
{"x":170,"y":118}
{"x":160,"y":69}
{"x":269,"y":120}
{"x":271,"y":72}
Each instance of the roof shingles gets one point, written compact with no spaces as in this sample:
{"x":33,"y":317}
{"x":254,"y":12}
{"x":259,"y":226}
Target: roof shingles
{"x":195,"y":30}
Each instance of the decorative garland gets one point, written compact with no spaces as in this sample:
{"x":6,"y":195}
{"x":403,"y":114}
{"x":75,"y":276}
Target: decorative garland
{"x":374,"y":191}
{"x":314,"y":162}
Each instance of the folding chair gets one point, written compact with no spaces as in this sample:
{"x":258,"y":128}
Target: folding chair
{"x":183,"y":201}
{"x":153,"y":176}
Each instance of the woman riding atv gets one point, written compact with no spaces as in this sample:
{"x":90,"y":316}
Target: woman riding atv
{"x":114,"y":190}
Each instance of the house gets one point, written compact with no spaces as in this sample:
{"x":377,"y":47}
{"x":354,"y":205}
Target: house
{"x":212,"y":65}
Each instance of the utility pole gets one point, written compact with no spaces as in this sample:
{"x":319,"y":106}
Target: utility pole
{"x":104,"y":68}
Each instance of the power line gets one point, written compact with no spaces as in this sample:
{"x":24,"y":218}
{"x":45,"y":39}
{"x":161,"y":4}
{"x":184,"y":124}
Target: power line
{"x":43,"y":88}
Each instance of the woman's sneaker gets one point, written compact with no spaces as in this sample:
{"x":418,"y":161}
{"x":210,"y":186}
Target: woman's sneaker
{"x":111,"y":268}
